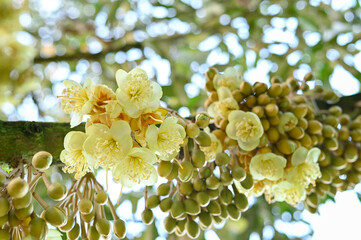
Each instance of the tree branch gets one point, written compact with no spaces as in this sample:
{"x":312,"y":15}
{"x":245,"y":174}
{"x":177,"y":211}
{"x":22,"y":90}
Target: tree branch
{"x":23,"y":139}
{"x":80,"y":55}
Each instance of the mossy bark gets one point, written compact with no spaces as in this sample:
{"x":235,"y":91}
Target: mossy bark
{"x":21,"y":140}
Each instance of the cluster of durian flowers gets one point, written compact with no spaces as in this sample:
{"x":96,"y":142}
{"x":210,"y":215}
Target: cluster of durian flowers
{"x":282,"y":139}
{"x":252,"y":140}
{"x":127,"y":132}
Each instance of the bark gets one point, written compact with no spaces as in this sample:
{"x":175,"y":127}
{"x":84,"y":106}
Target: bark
{"x":23,"y":139}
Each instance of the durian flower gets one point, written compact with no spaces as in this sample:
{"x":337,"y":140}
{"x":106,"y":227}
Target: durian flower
{"x":289,"y":192}
{"x":225,"y":104}
{"x":136,"y":93}
{"x":137,"y":167}
{"x":230,"y":79}
{"x":288,"y":121}
{"x":75,"y":99}
{"x":73,"y":155}
{"x":267,"y":166}
{"x":165,"y":141}
{"x":211,"y":151}
{"x":305,"y":169}
{"x":246,"y":128}
{"x":105,"y":101}
{"x":107,"y":146}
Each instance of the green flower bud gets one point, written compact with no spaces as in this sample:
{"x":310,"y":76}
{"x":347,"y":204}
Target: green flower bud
{"x":17,"y":188}
{"x":74,"y":233}
{"x":103,"y":226}
{"x":119,"y":228}
{"x":101,"y":197}
{"x":42,"y":160}
{"x":147,"y":216}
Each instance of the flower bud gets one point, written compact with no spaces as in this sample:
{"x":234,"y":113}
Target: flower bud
{"x":119,"y":228}
{"x":17,"y":188}
{"x":147,"y":216}
{"x":42,"y":160}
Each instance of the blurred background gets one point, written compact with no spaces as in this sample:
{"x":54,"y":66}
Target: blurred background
{"x":45,"y":42}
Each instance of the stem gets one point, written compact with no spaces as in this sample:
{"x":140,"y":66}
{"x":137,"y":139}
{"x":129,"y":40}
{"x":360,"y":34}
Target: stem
{"x":42,"y":203}
{"x":46,"y":180}
{"x":112,"y":210}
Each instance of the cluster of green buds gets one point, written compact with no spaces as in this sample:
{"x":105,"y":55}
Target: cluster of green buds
{"x":78,"y":211}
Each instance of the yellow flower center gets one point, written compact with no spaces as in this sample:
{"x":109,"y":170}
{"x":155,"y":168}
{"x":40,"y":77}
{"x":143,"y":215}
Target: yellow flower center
{"x":139,"y":90}
{"x":224,"y":107}
{"x":75,"y":162}
{"x":73,"y":99}
{"x":107,"y":151}
{"x":267,"y":168}
{"x":293,"y":195}
{"x":307,"y":173}
{"x":137,"y":170}
{"x":226,"y":82}
{"x":169,"y":141}
{"x":246,"y":129}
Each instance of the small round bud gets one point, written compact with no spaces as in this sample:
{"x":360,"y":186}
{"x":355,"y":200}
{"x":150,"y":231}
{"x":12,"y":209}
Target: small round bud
{"x":152,"y":201}
{"x":69,"y":224}
{"x":74,"y":233}
{"x":186,"y":188}
{"x":170,"y":224}
{"x":185,"y":171}
{"x":314,"y":127}
{"x":177,"y":209}
{"x":193,"y":230}
{"x":22,"y":202}
{"x":202,"y":120}
{"x":214,"y":208}
{"x":93,"y":233}
{"x":192,"y":130}
{"x":164,"y":168}
{"x":57,"y":191}
{"x":226,"y":196}
{"x":198,"y":158}
{"x":103,"y":226}
{"x":101,"y":197}
{"x":147,"y":216}
{"x":203,"y":199}
{"x":17,"y":188}
{"x":275,"y":90}
{"x":205,"y":219}
{"x":192,"y":207}
{"x":233,"y":212}
{"x":241,"y":201}
{"x":212,"y":182}
{"x":271,"y":110}
{"x":23,"y":213}
{"x":119,"y":228}
{"x":163,"y":189}
{"x":245,"y":88}
{"x":55,"y":216}
{"x":38,"y":228}
{"x":85,"y":206}
{"x":222,"y":159}
{"x":247,"y":183}
{"x":4,"y":206}
{"x":174,"y":172}
{"x":286,"y":146}
{"x":42,"y":160}
{"x":88,"y":217}
{"x":203,"y":139}
{"x":165,"y":204}
{"x":238,"y":173}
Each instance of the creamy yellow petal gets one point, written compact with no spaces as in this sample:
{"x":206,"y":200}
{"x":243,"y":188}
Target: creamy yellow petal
{"x":313,"y":155}
{"x":299,"y":156}
{"x":74,"y":140}
{"x":267,"y":166}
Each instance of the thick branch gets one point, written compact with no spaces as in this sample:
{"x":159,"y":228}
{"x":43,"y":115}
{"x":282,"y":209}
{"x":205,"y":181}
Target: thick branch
{"x":79,"y":55}
{"x":23,"y":139}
